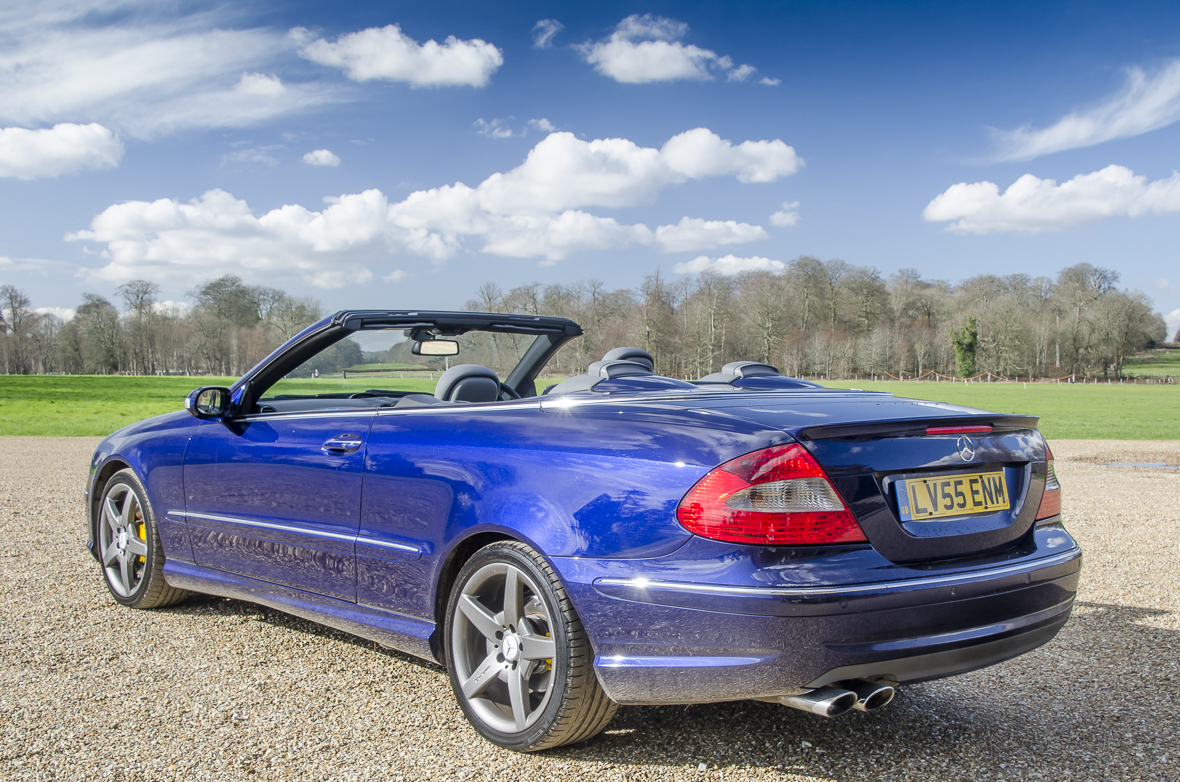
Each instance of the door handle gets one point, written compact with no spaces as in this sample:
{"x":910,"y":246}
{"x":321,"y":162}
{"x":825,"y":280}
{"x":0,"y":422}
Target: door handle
{"x":342,"y":443}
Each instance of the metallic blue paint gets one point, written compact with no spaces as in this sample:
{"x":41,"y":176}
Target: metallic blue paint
{"x":254,"y":508}
{"x":305,"y":501}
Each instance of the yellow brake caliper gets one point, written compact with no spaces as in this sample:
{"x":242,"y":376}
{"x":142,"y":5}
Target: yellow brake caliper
{"x":141,"y":529}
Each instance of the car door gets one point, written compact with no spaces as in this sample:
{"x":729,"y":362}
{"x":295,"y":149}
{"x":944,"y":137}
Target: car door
{"x":277,"y":498}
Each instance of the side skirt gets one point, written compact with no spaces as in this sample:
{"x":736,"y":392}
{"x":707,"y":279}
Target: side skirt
{"x":394,"y":631}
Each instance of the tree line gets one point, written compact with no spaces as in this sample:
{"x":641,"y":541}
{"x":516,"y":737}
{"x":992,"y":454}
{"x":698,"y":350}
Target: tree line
{"x":831,"y":319}
{"x":229,"y":328}
{"x":819,"y":319}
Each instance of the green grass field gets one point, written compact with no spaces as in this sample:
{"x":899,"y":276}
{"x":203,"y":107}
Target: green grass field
{"x":1094,"y":412}
{"x":100,"y":404}
{"x":1162,"y":362}
{"x":97,"y":405}
{"x":88,"y":404}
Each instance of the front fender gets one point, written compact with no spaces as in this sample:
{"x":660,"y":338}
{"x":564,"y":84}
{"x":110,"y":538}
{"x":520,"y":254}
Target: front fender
{"x":154,"y":450}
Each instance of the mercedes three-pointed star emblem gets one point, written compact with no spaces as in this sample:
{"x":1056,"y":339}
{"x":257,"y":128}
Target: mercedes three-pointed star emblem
{"x":966,"y":448}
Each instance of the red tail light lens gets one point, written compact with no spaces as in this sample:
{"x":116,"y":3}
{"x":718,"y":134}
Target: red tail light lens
{"x":777,"y":496}
{"x":1051,"y":500}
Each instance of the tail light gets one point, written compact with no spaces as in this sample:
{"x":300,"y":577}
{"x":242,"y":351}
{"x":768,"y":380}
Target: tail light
{"x":1051,"y":499}
{"x":777,"y":496}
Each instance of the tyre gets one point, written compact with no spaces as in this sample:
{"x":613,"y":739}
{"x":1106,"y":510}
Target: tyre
{"x":129,"y":549}
{"x":519,"y":660}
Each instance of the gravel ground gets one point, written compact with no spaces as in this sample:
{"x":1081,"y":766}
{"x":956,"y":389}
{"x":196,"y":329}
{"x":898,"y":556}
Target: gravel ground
{"x":222,"y":689}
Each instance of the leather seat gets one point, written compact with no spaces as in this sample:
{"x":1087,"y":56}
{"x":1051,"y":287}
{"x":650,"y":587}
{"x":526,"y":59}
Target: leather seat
{"x":468,"y":383}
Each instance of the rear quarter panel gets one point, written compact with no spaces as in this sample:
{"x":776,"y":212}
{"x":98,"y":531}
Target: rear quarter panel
{"x":597,"y":481}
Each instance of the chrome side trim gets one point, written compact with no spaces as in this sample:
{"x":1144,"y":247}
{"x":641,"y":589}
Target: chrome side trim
{"x":503,"y":404}
{"x":294,"y":416}
{"x":846,"y":589}
{"x":299,"y":530}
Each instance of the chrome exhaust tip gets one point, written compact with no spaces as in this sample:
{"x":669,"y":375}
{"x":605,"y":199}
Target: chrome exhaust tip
{"x":826,"y":701}
{"x":870,"y":696}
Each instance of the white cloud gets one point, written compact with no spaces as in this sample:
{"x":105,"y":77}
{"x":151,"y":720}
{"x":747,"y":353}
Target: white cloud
{"x":742,"y":73}
{"x":1164,"y":284}
{"x":694,"y":234}
{"x":260,"y":84}
{"x":1172,"y":319}
{"x":497,"y":128}
{"x":536,"y":210}
{"x":141,"y":71}
{"x":394,"y":276}
{"x":40,"y":266}
{"x":729,"y":265}
{"x":63,"y":149}
{"x":563,"y":172}
{"x":543,"y":32}
{"x":501,"y":127}
{"x":389,"y":54}
{"x":700,"y":152}
{"x":557,"y":237}
{"x":63,"y":313}
{"x":1031,"y":204}
{"x":321,"y":157}
{"x":258,"y":155}
{"x":217,"y":233}
{"x":175,"y":309}
{"x":1146,"y":103}
{"x":787,"y":216}
{"x":769,"y":82}
{"x":647,"y":48}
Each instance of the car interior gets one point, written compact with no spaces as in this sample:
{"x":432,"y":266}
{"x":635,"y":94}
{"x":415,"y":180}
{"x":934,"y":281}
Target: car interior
{"x":622,"y":370}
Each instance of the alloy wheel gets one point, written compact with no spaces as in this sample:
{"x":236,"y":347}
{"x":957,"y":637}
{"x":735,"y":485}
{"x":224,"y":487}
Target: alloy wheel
{"x":503,"y":647}
{"x":122,"y":540}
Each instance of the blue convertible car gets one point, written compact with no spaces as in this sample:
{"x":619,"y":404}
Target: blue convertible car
{"x":621,"y":538}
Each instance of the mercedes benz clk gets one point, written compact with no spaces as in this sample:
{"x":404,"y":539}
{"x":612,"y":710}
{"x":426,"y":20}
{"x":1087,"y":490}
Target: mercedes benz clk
{"x":619,"y":537}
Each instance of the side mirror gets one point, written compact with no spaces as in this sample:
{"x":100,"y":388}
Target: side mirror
{"x":435,"y":347}
{"x":208,"y":402}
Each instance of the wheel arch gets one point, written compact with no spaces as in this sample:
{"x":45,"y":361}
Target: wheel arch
{"x":102,"y":476}
{"x":452,"y":563}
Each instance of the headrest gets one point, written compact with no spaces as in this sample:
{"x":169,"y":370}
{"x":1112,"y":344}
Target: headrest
{"x":638,"y":355}
{"x":468,"y":383}
{"x":739,"y":370}
{"x":749,"y":369}
{"x":598,"y":372}
{"x":610,"y":369}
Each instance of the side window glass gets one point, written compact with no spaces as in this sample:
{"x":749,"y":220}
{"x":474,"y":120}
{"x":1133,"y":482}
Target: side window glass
{"x":367,"y":369}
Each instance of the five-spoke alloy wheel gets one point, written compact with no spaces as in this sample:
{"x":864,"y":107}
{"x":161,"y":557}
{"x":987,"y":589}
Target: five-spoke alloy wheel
{"x":129,"y":546}
{"x":519,"y":661}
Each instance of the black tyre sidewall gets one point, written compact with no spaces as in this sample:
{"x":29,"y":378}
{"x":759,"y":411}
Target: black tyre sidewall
{"x":531,"y":737}
{"x":154,"y":550}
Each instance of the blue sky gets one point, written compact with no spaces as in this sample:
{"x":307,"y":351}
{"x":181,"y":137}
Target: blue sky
{"x":322,"y":150}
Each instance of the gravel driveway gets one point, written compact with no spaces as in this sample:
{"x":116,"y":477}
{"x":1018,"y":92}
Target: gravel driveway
{"x":218,"y":688}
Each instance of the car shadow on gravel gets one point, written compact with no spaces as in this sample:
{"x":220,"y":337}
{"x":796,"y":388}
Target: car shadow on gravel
{"x":1095,"y":703}
{"x":203,"y":605}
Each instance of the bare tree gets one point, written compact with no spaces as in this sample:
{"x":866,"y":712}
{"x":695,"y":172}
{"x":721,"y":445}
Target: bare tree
{"x":17,"y":320}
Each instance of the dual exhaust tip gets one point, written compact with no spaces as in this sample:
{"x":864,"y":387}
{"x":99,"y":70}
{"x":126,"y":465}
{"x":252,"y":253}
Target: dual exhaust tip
{"x":833,"y":701}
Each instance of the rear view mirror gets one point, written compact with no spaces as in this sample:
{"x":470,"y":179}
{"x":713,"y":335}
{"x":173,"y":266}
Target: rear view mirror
{"x":208,"y":402}
{"x":436,"y":347}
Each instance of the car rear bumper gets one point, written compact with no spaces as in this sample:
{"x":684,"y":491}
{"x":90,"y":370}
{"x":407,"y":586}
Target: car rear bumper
{"x":660,"y":641}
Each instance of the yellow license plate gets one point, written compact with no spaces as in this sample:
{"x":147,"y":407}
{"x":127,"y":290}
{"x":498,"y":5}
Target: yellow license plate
{"x":919,"y":499}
